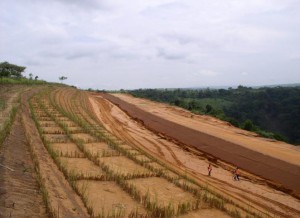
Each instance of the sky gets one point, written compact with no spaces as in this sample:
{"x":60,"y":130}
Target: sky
{"x":117,"y":44}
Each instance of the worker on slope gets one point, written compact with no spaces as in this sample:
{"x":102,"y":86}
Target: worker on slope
{"x":236,"y":174}
{"x":209,"y":168}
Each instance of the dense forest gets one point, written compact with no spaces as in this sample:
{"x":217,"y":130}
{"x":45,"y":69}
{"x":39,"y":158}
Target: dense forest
{"x":272,"y":112}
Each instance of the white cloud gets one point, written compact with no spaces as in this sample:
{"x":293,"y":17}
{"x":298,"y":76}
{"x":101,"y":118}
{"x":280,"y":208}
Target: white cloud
{"x":206,"y":72}
{"x":137,"y":44}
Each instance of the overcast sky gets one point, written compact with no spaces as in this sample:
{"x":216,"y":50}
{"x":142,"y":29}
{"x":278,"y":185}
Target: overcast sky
{"x":114,"y":44}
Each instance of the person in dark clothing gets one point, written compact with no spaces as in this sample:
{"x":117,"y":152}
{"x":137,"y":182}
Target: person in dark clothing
{"x":209,"y":168}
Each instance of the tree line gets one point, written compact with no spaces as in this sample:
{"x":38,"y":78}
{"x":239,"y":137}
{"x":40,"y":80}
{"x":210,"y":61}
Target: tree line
{"x":272,"y":112}
{"x":14,"y":74}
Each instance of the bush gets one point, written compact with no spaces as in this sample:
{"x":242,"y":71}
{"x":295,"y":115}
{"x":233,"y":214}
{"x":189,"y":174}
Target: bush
{"x":208,"y":108}
{"x":248,"y":125}
{"x":233,"y":122}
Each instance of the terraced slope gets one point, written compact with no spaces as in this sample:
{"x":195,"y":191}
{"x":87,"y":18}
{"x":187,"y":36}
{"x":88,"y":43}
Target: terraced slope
{"x":156,"y":189}
{"x":87,"y":158}
{"x":252,"y":189}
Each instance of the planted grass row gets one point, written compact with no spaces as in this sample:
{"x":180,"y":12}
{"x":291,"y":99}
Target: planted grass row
{"x":9,"y":113}
{"x":6,"y":127}
{"x":118,"y":177}
{"x":73,"y":177}
{"x":183,"y":185}
{"x":217,"y":201}
{"x":62,"y":165}
{"x":69,"y":154}
{"x":214,"y":200}
{"x":107,"y":205}
{"x":80,"y":115}
{"x":210,"y":197}
{"x":156,"y":209}
{"x":51,"y":211}
{"x":104,"y":213}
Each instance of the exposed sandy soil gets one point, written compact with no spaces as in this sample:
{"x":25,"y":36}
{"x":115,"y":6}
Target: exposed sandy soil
{"x":162,"y":191}
{"x":47,"y":124}
{"x":19,"y":190}
{"x":74,"y":129}
{"x":126,"y":146}
{"x":45,"y":119}
{"x":134,"y":152}
{"x":84,"y":137}
{"x":163,"y":169}
{"x":123,"y":166}
{"x":218,"y":128}
{"x":63,"y":119}
{"x":56,"y":138}
{"x":251,"y":190}
{"x":110,"y":196}
{"x":52,"y":130}
{"x":207,"y":213}
{"x":67,"y":149}
{"x":143,"y":158}
{"x":69,"y":123}
{"x":81,"y":166}
{"x":270,"y":167}
{"x":100,"y":149}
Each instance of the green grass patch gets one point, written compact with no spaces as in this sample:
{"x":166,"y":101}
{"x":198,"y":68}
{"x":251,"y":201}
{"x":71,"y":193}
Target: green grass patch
{"x":2,"y":104}
{"x":7,"y":125}
{"x":26,"y":81}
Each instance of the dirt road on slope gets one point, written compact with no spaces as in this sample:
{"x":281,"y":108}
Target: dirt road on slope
{"x":220,"y":129}
{"x":188,"y":159}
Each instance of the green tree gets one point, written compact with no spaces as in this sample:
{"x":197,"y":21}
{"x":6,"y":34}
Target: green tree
{"x":208,"y":108}
{"x":11,"y":70}
{"x":62,"y":78}
{"x":248,"y":125}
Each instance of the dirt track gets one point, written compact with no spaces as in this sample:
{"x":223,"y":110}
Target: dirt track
{"x":262,"y":165}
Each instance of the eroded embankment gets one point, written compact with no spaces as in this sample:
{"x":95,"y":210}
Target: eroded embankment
{"x":285,"y":175}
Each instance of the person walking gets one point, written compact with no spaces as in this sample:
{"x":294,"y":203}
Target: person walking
{"x":236,"y":175}
{"x":209,"y":168}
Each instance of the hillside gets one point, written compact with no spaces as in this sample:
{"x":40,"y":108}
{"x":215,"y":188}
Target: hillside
{"x":82,"y":155}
